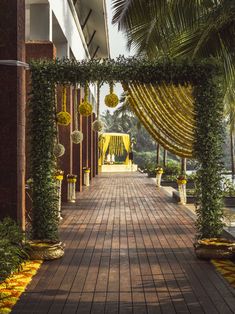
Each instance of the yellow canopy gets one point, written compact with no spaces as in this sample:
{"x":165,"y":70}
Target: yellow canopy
{"x":114,"y":143}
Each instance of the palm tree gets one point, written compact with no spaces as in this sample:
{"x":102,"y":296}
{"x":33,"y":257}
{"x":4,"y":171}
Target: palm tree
{"x":177,"y":28}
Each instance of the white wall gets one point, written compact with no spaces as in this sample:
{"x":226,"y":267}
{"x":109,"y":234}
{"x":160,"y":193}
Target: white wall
{"x":67,"y":23}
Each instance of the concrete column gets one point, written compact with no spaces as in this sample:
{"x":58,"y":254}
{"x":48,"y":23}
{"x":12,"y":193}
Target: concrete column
{"x":40,"y":22}
{"x":12,"y":104}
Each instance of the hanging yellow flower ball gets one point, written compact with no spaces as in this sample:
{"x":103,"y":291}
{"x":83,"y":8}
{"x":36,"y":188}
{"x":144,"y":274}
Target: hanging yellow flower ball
{"x":111,"y":100}
{"x":63,"y":118}
{"x":85,"y":109}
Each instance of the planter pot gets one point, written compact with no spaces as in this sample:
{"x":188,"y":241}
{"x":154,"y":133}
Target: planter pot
{"x":182,"y":194}
{"x":173,"y":184}
{"x":229,"y":201}
{"x":158,"y":179}
{"x":190,"y":199}
{"x":214,"y":248}
{"x":46,"y":250}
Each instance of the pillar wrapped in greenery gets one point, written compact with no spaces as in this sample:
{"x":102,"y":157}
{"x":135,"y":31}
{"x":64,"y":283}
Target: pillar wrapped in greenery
{"x":208,"y":151}
{"x":42,"y":161}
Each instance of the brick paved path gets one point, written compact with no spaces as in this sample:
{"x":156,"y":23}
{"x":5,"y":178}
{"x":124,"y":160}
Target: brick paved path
{"x":128,"y":250}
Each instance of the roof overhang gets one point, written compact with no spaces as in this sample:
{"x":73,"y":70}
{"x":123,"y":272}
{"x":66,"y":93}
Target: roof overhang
{"x":93,"y":18}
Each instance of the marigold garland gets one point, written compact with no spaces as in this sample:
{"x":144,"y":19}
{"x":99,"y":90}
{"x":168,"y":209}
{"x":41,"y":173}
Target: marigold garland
{"x":111,"y":100}
{"x":163,"y":121}
{"x":153,"y":121}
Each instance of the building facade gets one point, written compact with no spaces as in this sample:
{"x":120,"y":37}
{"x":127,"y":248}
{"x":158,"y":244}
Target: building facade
{"x":49,"y":29}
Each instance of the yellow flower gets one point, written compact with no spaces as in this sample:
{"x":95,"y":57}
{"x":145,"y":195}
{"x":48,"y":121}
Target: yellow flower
{"x":111,"y":100}
{"x":85,"y":109}
{"x":63,"y":118}
{"x":182,"y":181}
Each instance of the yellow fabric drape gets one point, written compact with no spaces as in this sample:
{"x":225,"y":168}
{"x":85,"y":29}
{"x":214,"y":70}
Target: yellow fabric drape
{"x":103,"y":147}
{"x":126,"y":142}
{"x":114,"y":143}
{"x":167,"y":112}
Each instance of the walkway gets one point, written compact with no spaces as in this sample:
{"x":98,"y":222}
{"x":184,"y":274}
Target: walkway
{"x":128,"y":250}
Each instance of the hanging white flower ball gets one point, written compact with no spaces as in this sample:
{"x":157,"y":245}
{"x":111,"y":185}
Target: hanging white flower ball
{"x":59,"y":150}
{"x":97,"y":126}
{"x":76,"y":137}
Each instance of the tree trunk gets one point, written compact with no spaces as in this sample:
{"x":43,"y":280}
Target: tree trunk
{"x":183,"y":165}
{"x":165,"y":158}
{"x":232,"y":153}
{"x":158,"y":154}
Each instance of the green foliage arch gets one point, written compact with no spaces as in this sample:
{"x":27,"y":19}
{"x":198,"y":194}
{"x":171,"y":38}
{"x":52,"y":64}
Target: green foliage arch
{"x":204,"y":76}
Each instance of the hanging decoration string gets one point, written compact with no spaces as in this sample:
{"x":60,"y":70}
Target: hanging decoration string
{"x":76,"y":135}
{"x":85,"y":108}
{"x":98,"y":125}
{"x":98,"y":100}
{"x":56,"y":106}
{"x":63,"y":117}
{"x":75,"y":108}
{"x":58,"y":149}
{"x":64,"y":96}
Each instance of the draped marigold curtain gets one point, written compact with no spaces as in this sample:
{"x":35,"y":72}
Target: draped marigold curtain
{"x":114,"y":143}
{"x":167,"y":113}
{"x":127,"y":143}
{"x":104,"y":144}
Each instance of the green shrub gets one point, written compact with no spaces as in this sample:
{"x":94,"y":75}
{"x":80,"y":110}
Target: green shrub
{"x":172,"y":168}
{"x":228,"y":188}
{"x":13,"y":251}
{"x":144,"y":160}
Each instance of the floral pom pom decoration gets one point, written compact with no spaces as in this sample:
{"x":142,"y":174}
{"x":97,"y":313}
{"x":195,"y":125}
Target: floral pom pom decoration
{"x":85,"y":109}
{"x":97,"y":126}
{"x":76,"y":137}
{"x":59,"y":150}
{"x":63,"y":117}
{"x":111,"y":100}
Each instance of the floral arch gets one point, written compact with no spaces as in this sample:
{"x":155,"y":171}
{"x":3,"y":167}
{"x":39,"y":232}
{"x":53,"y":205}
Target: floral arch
{"x":179,"y":103}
